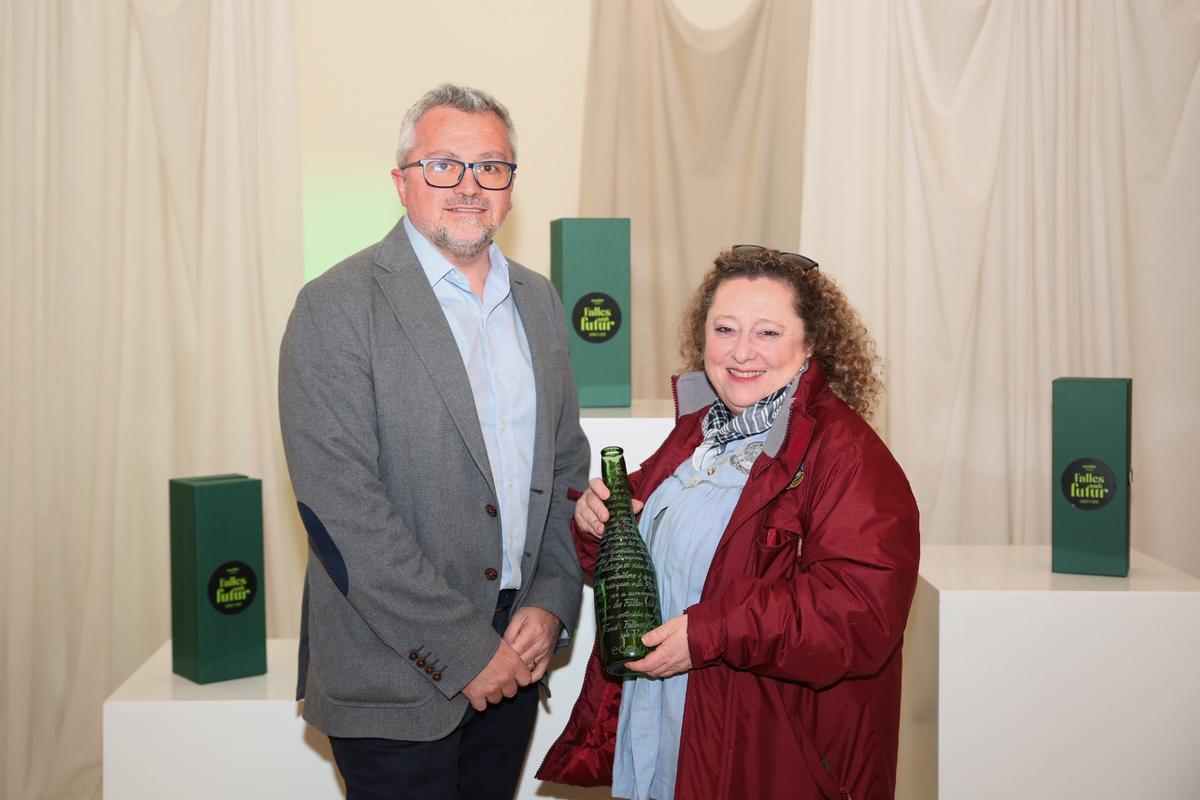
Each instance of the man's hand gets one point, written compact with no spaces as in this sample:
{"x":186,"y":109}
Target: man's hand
{"x":532,"y":632}
{"x":590,"y":511}
{"x":671,"y":655}
{"x":501,"y":678}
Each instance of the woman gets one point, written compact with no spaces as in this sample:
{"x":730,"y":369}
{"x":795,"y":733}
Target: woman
{"x":786,"y":542}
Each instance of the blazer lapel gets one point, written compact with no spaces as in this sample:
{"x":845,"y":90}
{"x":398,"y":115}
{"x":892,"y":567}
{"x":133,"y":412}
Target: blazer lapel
{"x":416,"y":307}
{"x":535,"y":319}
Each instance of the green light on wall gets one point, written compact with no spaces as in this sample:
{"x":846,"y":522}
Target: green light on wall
{"x":344,"y":211}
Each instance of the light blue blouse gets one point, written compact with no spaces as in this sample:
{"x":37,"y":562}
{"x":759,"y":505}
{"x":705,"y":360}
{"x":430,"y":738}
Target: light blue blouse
{"x":682,"y":524}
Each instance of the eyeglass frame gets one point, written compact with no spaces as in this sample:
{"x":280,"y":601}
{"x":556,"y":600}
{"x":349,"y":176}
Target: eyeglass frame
{"x":466,"y":165}
{"x":804,"y":262}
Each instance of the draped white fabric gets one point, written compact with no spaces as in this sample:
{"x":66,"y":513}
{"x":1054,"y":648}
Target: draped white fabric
{"x":149,"y":200}
{"x":695,"y":135}
{"x":1010,"y":193}
{"x":1007,"y":192}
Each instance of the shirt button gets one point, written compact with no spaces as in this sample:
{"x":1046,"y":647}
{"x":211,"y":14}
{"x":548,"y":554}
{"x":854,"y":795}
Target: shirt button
{"x":503,"y":426}
{"x":491,"y":510}
{"x":491,"y":574}
{"x":509,"y":483}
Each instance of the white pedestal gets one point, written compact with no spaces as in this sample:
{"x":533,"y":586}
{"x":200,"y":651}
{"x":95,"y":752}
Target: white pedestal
{"x":1023,"y":684}
{"x":166,"y":737}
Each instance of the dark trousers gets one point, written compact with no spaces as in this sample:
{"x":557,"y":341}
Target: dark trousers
{"x":480,"y":760}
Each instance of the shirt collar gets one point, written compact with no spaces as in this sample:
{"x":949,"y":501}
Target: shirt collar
{"x":437,"y":267}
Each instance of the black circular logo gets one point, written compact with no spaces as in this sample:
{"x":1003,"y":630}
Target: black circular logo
{"x":232,"y":588}
{"x":596,"y":317}
{"x":1088,"y":484}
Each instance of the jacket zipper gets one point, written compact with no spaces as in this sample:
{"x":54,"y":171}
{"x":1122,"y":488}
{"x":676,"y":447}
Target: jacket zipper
{"x":842,"y":790}
{"x":587,"y":680}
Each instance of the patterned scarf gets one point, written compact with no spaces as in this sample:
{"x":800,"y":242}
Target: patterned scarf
{"x":720,"y":426}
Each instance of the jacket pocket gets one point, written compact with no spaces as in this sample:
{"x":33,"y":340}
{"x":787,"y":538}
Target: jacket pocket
{"x":777,"y":547}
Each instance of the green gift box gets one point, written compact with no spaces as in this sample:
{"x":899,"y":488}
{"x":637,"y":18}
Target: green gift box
{"x":218,"y":618}
{"x":1090,"y":471}
{"x":589,"y":266}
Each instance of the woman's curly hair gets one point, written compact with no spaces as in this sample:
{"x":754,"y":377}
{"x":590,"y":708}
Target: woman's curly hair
{"x":840,"y":341}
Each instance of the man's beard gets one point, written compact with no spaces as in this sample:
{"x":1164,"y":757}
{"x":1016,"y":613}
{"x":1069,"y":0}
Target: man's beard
{"x":465,"y":248}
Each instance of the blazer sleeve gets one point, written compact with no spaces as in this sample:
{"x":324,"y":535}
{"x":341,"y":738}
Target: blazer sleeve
{"x":843,"y":612}
{"x":557,"y":583}
{"x":328,"y":418}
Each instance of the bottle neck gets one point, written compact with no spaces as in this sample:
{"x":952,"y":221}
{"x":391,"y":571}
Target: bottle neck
{"x":612,"y":471}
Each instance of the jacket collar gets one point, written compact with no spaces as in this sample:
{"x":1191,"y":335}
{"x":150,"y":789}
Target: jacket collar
{"x":406,"y":286}
{"x":416,"y":307}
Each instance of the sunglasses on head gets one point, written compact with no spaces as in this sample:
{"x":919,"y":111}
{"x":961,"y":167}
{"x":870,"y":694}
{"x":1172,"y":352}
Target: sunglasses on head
{"x":803,"y":262}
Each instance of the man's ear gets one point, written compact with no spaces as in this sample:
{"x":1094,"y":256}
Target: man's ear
{"x":398,"y":180}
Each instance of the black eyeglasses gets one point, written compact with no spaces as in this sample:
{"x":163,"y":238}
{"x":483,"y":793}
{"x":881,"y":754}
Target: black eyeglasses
{"x":803,"y":262}
{"x":446,"y":173}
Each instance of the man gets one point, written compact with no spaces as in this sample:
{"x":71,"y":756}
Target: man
{"x":431,"y":425}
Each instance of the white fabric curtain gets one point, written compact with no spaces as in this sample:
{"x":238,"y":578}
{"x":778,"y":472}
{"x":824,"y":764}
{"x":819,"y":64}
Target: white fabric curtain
{"x":697,"y":136}
{"x":1007,"y":191}
{"x":149,"y":200}
{"x":1010,"y":193}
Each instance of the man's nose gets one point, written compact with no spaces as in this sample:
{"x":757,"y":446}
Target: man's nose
{"x":468,"y":184}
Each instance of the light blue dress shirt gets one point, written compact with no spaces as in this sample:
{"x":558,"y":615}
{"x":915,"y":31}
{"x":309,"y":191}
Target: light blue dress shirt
{"x":681,"y":524}
{"x":495,"y":351}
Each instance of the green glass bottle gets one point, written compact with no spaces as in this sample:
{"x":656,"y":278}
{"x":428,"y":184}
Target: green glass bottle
{"x":624,"y":583}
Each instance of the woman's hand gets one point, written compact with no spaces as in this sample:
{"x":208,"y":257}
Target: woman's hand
{"x":590,"y":511}
{"x":671,"y":655}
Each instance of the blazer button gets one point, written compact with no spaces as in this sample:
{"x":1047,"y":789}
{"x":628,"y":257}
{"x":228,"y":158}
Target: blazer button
{"x":491,"y":510}
{"x":429,"y":670}
{"x":437,"y":676}
{"x":491,"y":574}
{"x":421,"y":663}
{"x":412,"y":655}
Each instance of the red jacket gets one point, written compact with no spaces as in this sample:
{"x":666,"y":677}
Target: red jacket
{"x":795,"y":685}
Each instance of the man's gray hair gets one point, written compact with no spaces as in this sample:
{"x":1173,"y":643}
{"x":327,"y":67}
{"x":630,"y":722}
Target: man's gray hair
{"x":460,"y":98}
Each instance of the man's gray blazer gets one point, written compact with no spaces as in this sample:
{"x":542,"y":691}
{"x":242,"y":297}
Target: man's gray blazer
{"x":395,"y":490}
